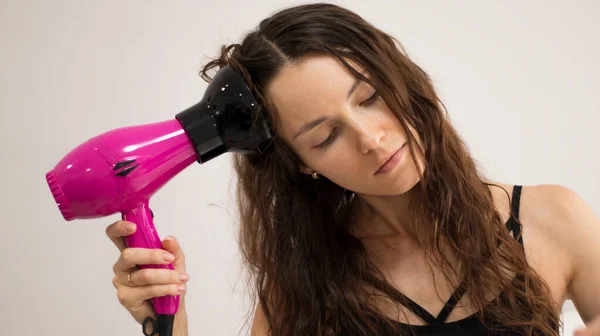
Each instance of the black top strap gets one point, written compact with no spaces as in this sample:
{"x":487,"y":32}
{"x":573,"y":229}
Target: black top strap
{"x":513,"y":224}
{"x":516,"y":201}
{"x":444,"y":313}
{"x":418,"y":310}
{"x":451,"y":303}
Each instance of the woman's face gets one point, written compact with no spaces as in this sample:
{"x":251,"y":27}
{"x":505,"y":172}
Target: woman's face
{"x":339,"y":128}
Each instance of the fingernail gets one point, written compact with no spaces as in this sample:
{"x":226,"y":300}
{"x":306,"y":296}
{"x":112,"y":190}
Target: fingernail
{"x":181,"y":288}
{"x":130,"y":227}
{"x":183,"y":277}
{"x":168,"y":257}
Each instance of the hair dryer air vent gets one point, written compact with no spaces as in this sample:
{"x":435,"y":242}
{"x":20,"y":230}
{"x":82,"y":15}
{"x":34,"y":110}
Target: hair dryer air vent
{"x":59,"y":197}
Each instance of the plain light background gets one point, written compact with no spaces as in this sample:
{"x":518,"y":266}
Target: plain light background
{"x":520,"y":80}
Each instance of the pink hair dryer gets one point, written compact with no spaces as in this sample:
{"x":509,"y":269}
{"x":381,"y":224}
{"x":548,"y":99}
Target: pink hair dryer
{"x":118,"y":171}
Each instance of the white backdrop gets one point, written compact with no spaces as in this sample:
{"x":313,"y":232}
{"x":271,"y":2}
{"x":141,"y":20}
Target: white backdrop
{"x":520,"y":80}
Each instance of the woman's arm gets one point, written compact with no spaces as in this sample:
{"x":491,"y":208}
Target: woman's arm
{"x":259,"y":324}
{"x":180,"y":327}
{"x":583,"y":247}
{"x":579,"y":231}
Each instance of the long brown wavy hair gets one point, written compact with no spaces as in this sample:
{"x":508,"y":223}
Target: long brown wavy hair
{"x":310,"y":275}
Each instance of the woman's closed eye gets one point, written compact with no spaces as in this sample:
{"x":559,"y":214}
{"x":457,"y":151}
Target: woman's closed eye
{"x":329,"y":139}
{"x":370,"y":100}
{"x":333,"y":134}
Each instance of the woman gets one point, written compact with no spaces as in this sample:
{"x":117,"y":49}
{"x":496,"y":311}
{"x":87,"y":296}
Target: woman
{"x":370,"y":217}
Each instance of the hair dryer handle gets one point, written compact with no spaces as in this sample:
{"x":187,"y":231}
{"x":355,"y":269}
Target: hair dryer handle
{"x":145,"y":236}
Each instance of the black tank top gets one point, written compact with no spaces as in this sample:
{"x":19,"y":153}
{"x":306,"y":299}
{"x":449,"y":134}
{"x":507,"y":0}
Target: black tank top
{"x":470,"y":325}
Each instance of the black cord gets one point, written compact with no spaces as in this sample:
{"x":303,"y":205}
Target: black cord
{"x":163,"y":326}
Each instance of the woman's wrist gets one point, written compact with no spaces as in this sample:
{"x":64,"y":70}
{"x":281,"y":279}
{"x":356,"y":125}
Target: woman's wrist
{"x":180,"y":327}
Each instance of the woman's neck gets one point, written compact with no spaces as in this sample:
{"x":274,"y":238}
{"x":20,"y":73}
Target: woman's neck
{"x":385,"y":216}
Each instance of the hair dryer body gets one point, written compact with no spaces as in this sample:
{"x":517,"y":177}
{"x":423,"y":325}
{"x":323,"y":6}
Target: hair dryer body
{"x":120,"y":170}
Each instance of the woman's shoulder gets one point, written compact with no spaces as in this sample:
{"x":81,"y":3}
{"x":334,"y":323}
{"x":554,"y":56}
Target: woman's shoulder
{"x":556,"y":224}
{"x":542,"y":212}
{"x":552,"y":209}
{"x":543,"y":204}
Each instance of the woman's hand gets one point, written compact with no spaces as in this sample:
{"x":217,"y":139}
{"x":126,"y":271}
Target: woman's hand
{"x":136,"y":286}
{"x":591,"y":329}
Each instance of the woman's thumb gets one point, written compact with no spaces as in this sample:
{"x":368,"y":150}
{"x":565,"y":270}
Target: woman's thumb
{"x":171,"y":244}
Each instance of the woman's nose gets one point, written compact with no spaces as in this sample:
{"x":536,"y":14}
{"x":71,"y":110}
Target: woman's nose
{"x":370,"y":137}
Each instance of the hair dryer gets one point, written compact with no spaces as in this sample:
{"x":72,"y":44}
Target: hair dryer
{"x":118,"y":171}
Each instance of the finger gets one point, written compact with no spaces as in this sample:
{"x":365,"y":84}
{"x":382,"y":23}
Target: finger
{"x":118,"y":230}
{"x":172,"y":245}
{"x":133,"y":297}
{"x":152,"y":276}
{"x":142,"y":312}
{"x":133,"y":256}
{"x":139,"y":311}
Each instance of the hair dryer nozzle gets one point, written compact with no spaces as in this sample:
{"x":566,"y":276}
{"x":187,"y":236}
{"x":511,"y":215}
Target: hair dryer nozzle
{"x":59,"y":196}
{"x":227,"y":119}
